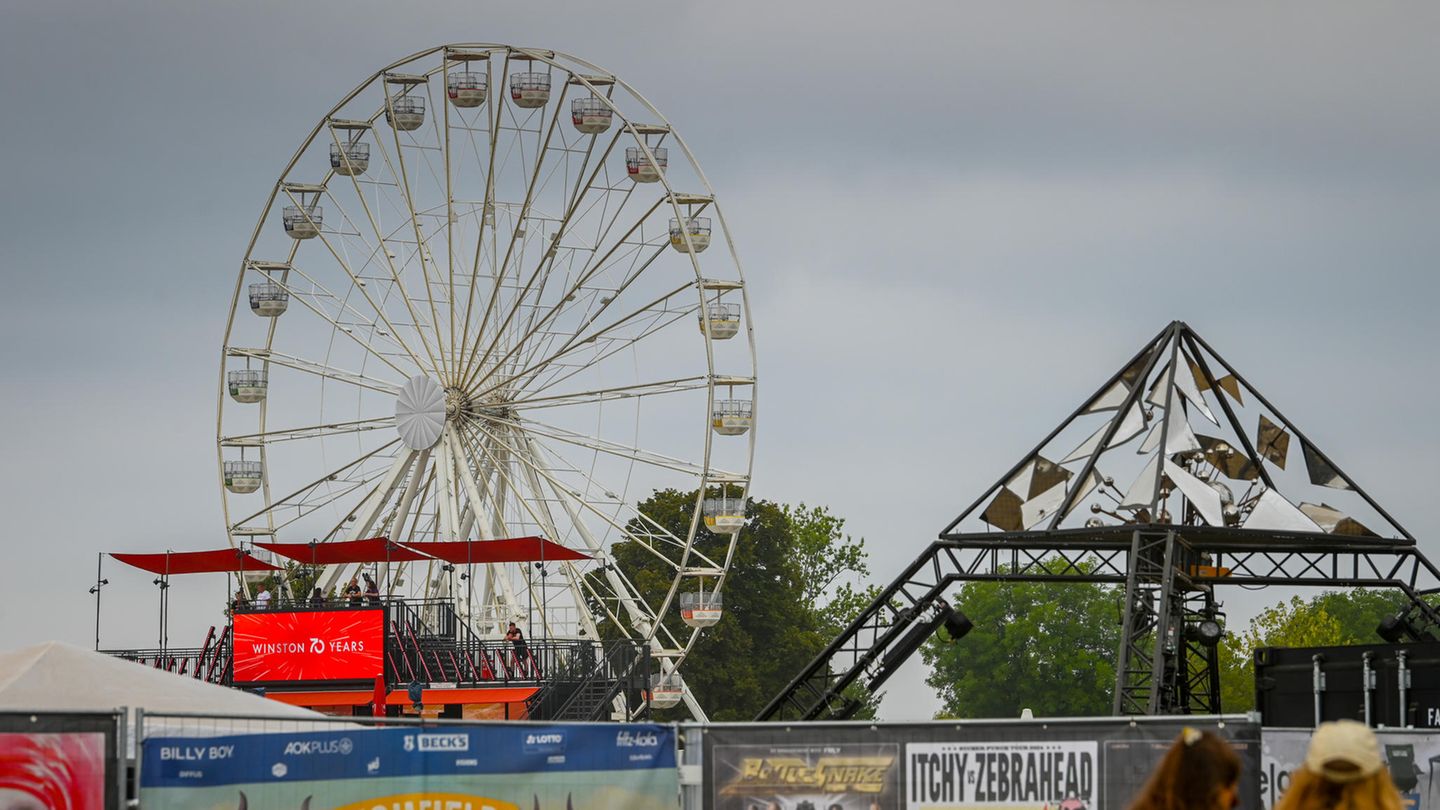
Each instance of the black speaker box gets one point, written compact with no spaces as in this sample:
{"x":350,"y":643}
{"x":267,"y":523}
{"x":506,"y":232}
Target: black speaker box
{"x":1285,"y":684}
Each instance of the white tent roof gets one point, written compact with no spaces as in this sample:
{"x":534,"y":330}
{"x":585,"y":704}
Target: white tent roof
{"x":61,"y":676}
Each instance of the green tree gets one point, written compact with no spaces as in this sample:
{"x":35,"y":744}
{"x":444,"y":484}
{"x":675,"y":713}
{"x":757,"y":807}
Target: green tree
{"x":779,"y":607}
{"x":1043,"y":646}
{"x":1332,"y":618}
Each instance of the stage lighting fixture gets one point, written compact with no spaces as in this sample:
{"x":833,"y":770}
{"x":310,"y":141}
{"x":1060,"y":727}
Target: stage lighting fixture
{"x":957,"y":624}
{"x":1392,"y":628}
{"x":1205,"y":631}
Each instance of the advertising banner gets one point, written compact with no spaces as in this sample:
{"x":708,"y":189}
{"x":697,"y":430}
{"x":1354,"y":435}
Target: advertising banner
{"x":1092,"y":765}
{"x":1412,"y":756}
{"x":58,"y":760}
{"x":499,"y":767}
{"x":309,"y":645}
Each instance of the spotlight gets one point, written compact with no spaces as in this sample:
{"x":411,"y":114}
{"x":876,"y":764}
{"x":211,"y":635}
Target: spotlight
{"x":957,"y":624}
{"x":1205,"y":631}
{"x":1392,"y":628}
{"x":1402,"y":628}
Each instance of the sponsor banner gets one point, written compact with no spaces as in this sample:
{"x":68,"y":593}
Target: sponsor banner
{"x":816,"y":776}
{"x":464,"y":768}
{"x":1019,"y":774}
{"x":1091,"y":765}
{"x":1412,"y":756}
{"x":321,"y":645}
{"x":54,"y":760}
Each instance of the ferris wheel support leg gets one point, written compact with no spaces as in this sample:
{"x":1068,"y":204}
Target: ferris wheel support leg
{"x":472,"y":494}
{"x":396,"y":524}
{"x":369,"y":512}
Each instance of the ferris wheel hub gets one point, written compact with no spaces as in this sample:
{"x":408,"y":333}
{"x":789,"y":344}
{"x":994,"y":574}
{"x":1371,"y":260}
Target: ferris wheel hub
{"x":420,"y":412}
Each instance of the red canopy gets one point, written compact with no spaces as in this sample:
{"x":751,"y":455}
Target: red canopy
{"x":196,"y":562}
{"x":517,"y":549}
{"x":338,"y":552}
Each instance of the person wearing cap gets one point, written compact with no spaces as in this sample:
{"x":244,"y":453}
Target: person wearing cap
{"x":1343,"y":769}
{"x":1199,"y":772}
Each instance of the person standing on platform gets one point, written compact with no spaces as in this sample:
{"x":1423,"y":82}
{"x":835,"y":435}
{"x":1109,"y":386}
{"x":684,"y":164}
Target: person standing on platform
{"x":372,"y":591}
{"x":262,"y":599}
{"x":1199,"y":772}
{"x":1343,"y":770}
{"x":522,"y":652}
{"x":352,"y":593}
{"x":317,"y":598}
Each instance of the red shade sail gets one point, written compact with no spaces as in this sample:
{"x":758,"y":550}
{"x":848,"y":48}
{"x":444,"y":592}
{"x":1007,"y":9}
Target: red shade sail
{"x":339,"y":552}
{"x":517,"y":549}
{"x":196,"y":562}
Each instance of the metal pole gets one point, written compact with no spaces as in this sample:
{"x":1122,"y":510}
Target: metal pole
{"x":1317,"y":681}
{"x":99,"y":583}
{"x":1367,"y":680}
{"x":1404,"y":675}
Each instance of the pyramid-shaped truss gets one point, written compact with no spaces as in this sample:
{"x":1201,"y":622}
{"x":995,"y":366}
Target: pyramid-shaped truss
{"x":1178,"y":437}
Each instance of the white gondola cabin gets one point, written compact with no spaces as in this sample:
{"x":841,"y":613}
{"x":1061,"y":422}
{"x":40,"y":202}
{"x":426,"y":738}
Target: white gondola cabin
{"x":268,"y":299}
{"x":406,"y":113}
{"x":732,"y":417}
{"x":242,"y":477}
{"x":590,"y":115}
{"x":690,"y":235}
{"x":247,"y":385}
{"x":724,"y":515}
{"x":639,"y":167}
{"x":530,"y":90}
{"x":302,"y":222}
{"x":666,"y":690}
{"x":724,"y":320}
{"x":701,"y":609}
{"x":467,"y":89}
{"x":349,"y":159}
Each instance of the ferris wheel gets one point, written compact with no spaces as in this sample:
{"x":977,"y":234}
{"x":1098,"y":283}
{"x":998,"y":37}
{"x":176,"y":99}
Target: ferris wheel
{"x":492,"y":295}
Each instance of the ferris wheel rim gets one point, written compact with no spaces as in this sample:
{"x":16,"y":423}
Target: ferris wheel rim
{"x":551,"y":58}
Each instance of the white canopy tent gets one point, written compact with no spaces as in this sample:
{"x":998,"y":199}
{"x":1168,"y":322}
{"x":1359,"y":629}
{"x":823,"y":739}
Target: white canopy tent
{"x":57,"y":676}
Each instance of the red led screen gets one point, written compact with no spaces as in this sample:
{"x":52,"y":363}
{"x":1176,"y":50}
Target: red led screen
{"x":327,"y":645}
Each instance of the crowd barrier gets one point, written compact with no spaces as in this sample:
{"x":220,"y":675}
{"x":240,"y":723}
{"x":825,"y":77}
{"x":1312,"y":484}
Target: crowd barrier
{"x":249,"y":763}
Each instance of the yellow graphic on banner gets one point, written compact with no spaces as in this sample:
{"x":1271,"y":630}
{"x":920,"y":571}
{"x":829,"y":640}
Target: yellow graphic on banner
{"x":430,"y":801}
{"x":829,"y":774}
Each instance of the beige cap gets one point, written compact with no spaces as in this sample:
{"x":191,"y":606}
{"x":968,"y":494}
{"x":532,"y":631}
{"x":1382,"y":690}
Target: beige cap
{"x":1344,"y":751}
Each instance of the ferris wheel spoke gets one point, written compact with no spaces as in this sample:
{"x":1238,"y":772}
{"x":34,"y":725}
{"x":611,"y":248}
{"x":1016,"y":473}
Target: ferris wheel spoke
{"x":576,"y":195}
{"x":524,"y":213}
{"x":534,"y":459}
{"x":332,"y":475}
{"x":349,"y":331}
{"x":314,"y":367}
{"x":581,"y":336}
{"x":672,"y":386}
{"x":308,"y":432}
{"x":562,"y":372}
{"x":640,"y":614}
{"x":308,"y":507}
{"x":586,"y":274}
{"x":402,"y":183}
{"x":607,"y":345}
{"x":364,"y":293}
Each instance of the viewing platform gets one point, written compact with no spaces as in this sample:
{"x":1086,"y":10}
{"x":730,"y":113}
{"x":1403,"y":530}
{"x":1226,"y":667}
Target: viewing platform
{"x":328,"y":655}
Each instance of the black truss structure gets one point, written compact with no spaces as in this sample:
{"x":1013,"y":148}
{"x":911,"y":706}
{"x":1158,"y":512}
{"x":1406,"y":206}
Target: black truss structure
{"x":1170,"y":569}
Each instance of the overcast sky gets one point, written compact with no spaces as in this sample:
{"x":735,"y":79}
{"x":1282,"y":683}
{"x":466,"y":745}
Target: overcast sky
{"x":956,"y":219}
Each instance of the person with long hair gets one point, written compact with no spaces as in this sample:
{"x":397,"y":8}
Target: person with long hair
{"x":1199,"y":772}
{"x":1343,"y":770}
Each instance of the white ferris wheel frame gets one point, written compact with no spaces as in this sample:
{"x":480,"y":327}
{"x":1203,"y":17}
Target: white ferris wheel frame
{"x":641,"y":620}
